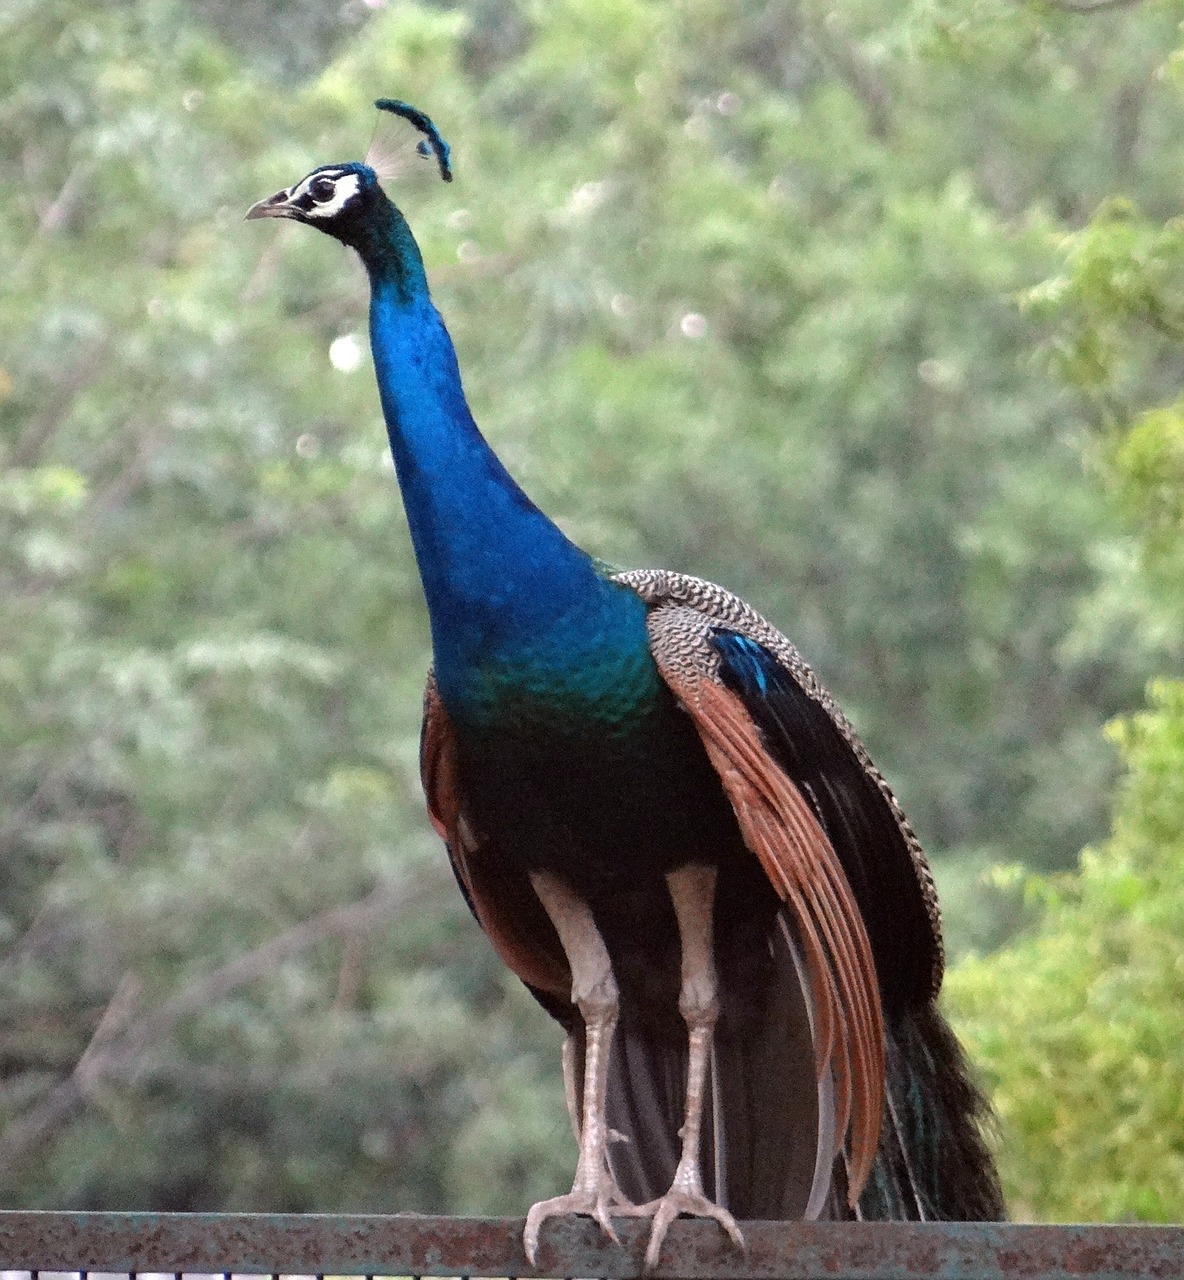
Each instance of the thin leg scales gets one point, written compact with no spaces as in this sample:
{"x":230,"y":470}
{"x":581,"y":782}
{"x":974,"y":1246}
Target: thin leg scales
{"x":693,"y":892}
{"x":594,"y":992}
{"x":571,"y":1089}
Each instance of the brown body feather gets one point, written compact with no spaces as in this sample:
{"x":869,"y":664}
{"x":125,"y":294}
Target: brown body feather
{"x":505,"y":905}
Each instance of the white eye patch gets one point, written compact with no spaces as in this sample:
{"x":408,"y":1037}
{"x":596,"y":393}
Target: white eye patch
{"x":307,"y":194}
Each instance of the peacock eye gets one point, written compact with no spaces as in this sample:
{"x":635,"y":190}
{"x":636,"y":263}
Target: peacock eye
{"x":322,"y":189}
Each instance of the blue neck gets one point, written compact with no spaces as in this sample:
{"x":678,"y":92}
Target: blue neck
{"x":506,"y":591}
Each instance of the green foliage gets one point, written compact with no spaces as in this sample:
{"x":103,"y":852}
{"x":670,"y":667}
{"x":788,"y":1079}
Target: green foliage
{"x":212,"y":660}
{"x":1150,"y":462}
{"x":734,"y":291}
{"x":1080,"y":1028}
{"x":1122,"y":278}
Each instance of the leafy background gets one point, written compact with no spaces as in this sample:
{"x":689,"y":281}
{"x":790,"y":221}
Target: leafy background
{"x":873,"y":315}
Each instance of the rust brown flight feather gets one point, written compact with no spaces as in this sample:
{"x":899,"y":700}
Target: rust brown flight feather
{"x":504,"y":904}
{"x":798,"y":859}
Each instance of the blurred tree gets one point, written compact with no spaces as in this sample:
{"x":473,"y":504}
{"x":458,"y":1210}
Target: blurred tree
{"x":733,"y":289}
{"x":223,"y":919}
{"x":1080,"y":1025}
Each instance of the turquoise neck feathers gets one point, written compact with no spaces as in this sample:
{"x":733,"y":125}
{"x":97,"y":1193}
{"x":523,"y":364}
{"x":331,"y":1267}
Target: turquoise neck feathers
{"x":516,"y":608}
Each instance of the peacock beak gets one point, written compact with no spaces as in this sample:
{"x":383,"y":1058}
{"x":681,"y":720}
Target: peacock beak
{"x":276,"y":206}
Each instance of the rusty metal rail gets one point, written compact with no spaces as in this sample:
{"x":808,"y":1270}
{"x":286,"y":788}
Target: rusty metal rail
{"x":226,"y":1244}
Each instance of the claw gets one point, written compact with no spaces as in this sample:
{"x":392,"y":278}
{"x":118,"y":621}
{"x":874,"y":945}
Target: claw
{"x":594,"y":1202}
{"x":669,"y":1207}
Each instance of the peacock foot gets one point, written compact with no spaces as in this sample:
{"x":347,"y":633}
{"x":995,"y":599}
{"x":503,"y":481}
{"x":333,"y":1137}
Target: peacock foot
{"x":679,"y":1200}
{"x":597,"y":1197}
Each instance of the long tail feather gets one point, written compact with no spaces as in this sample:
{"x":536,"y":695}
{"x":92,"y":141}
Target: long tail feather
{"x":645,"y":1101}
{"x":933,"y":1162}
{"x":770,"y":1135}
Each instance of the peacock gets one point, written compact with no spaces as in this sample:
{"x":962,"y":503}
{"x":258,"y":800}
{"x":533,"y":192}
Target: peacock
{"x":667,"y":829}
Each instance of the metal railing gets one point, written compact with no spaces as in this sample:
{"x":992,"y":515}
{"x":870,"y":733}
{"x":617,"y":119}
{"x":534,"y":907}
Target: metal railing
{"x":174,"y":1245}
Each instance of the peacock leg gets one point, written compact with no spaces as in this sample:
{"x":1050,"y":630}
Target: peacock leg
{"x":594,"y":992}
{"x":571,"y":1089}
{"x":693,"y":892}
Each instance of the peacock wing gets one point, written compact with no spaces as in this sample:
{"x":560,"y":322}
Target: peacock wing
{"x":501,"y":899}
{"x":806,"y":734}
{"x":799,"y":782}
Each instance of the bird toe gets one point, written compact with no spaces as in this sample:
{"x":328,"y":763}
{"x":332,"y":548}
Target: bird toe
{"x":674,"y":1204}
{"x":599,"y":1201}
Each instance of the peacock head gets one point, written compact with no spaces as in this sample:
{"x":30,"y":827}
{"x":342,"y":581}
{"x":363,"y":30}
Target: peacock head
{"x":331,"y":198}
{"x":344,"y":199}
